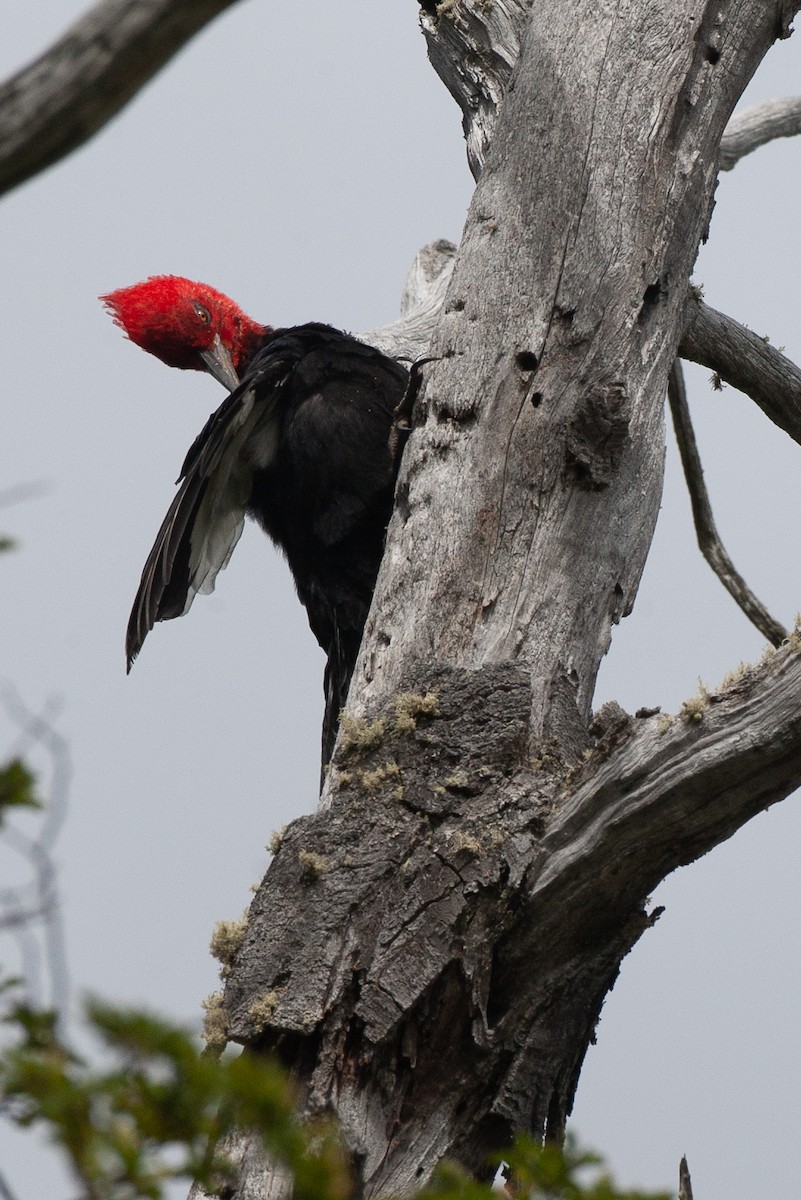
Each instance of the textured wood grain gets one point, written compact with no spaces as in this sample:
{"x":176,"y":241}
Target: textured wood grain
{"x":409,"y":338}
{"x":588,"y":250}
{"x":758,"y":125}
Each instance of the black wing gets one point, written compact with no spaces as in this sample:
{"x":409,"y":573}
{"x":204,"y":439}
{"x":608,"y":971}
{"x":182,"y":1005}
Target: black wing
{"x":204,"y":521}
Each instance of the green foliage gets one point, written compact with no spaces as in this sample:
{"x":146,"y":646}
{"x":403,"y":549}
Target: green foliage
{"x":17,"y":787}
{"x":537,"y":1172}
{"x":161,"y":1110}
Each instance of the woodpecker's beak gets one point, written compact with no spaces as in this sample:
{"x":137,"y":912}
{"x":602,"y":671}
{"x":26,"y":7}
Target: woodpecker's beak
{"x":217,"y":362}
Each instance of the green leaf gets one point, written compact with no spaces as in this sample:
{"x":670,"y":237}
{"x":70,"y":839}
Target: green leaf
{"x":159,"y":1110}
{"x":17,"y":785}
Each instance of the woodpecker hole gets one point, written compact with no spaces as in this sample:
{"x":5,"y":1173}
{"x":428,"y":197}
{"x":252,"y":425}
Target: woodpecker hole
{"x":536,"y":399}
{"x":527,"y":360}
{"x":712,"y":55}
{"x":650,"y":299}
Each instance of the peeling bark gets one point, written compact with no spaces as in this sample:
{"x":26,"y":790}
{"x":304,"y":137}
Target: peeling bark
{"x":433,"y":947}
{"x":437,"y":944}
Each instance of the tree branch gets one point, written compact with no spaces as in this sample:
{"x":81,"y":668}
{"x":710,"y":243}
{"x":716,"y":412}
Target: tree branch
{"x":679,"y":786}
{"x":59,"y":101}
{"x":5,"y":1190}
{"x":709,"y":541}
{"x":473,"y":47}
{"x":755,"y":126}
{"x":422,"y":299}
{"x":746,"y":361}
{"x":740,"y":357}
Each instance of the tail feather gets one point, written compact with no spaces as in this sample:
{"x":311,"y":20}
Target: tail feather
{"x":342,"y":655}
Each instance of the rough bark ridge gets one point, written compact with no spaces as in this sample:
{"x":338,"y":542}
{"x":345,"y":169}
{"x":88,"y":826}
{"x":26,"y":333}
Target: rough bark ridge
{"x":429,"y":953}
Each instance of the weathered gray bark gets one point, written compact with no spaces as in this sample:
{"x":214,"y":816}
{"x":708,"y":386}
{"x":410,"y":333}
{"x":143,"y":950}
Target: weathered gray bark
{"x":746,"y":361}
{"x":424,"y":292}
{"x":59,"y":101}
{"x":754,"y":127}
{"x":433,"y":947}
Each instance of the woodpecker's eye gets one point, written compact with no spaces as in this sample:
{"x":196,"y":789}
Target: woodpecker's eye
{"x":202,"y":313}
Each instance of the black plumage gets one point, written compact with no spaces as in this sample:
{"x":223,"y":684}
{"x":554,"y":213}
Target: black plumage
{"x":304,"y":445}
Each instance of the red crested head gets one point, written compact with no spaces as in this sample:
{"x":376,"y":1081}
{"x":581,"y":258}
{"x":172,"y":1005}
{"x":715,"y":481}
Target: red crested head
{"x":185,"y":324}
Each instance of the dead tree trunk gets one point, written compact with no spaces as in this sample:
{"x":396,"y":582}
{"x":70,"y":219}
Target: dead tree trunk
{"x":430,"y":951}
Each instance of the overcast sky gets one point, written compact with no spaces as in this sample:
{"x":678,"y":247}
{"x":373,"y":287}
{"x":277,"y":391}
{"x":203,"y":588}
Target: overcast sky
{"x":296,"y":157}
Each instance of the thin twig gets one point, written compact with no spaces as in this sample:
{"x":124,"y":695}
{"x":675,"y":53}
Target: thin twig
{"x":20,"y":916}
{"x":6,"y":1192}
{"x":38,"y":730}
{"x":20,"y":492}
{"x":709,"y":541}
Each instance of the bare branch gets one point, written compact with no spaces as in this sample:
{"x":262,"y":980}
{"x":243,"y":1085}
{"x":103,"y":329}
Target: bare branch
{"x":753,"y":127}
{"x":747,"y":362}
{"x":556,"y":864}
{"x":709,"y":541}
{"x":680,"y":786}
{"x":421,"y":304}
{"x":59,"y":101}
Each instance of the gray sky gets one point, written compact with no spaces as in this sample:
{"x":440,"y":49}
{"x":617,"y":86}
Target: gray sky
{"x":296,"y":157}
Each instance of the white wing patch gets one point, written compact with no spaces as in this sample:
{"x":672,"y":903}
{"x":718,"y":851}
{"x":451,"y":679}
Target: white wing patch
{"x":250,"y":444}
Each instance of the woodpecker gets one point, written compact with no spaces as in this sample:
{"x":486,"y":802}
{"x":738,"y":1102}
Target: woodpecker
{"x":305,"y":444}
